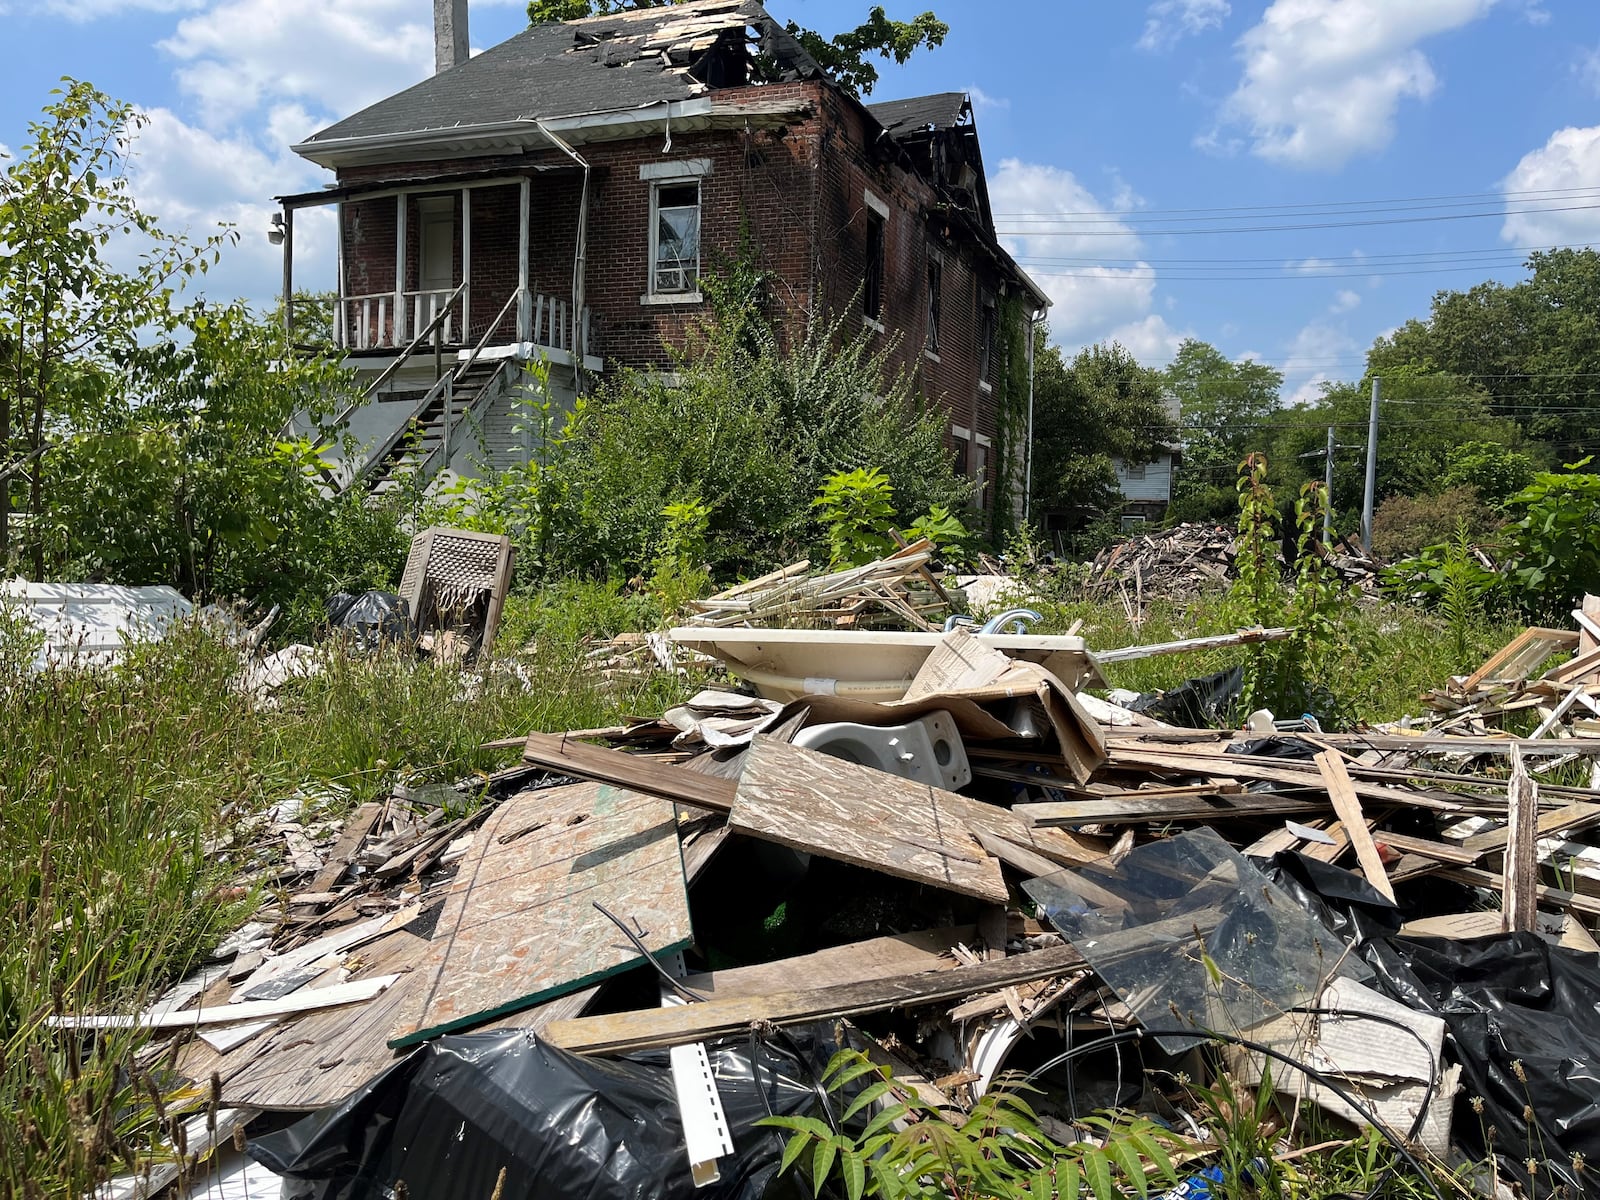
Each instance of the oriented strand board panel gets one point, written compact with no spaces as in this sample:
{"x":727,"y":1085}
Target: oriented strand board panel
{"x":856,"y":814}
{"x":519,"y":926}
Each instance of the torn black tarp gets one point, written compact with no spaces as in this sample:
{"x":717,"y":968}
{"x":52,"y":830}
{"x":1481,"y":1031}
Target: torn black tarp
{"x":1203,"y":703}
{"x":446,"y":1119}
{"x":1523,"y":1017}
{"x":370,"y":619}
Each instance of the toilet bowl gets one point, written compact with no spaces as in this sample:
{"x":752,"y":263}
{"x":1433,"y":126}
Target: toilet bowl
{"x":927,"y":750}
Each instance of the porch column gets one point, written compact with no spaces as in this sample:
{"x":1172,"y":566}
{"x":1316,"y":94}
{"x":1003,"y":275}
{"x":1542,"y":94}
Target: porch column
{"x":288,"y":271}
{"x":525,"y":206}
{"x":339,"y":336}
{"x":466,"y":265}
{"x":400,"y":270}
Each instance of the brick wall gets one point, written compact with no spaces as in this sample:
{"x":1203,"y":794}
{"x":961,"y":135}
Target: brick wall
{"x":794,"y":196}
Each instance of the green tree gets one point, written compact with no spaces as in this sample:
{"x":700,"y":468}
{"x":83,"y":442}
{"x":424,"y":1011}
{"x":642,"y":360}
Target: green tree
{"x":1532,"y":346}
{"x":1100,"y":407}
{"x":70,"y":315}
{"x":845,"y":56}
{"x":1225,"y":409}
{"x":1422,"y":416}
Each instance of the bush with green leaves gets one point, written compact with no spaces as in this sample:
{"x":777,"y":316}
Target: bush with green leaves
{"x":857,"y":509}
{"x":895,"y":1145}
{"x":1403,"y":525}
{"x":752,"y":426}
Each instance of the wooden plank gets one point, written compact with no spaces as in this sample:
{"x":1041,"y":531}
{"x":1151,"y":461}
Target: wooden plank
{"x":1293,"y":772}
{"x":619,"y":1033}
{"x":857,"y":814}
{"x":1132,"y":807}
{"x":1587,"y":618}
{"x":1522,"y":850}
{"x":344,"y":850}
{"x":631,"y":771}
{"x":1341,"y":790}
{"x":1515,"y":649}
{"x":1560,"y":820}
{"x":858,"y":962}
{"x":1441,"y":852}
{"x":519,"y":924}
{"x":1559,"y":897}
{"x":223,"y":1014}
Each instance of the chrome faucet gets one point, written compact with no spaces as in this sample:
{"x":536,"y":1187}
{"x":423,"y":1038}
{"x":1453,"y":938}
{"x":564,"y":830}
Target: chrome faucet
{"x":1017,"y":617}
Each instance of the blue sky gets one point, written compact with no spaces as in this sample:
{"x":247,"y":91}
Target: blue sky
{"x":1135,"y":150}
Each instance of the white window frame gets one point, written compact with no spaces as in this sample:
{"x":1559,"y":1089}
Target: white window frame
{"x":881,"y":210}
{"x":1134,"y":472}
{"x":675,"y":173}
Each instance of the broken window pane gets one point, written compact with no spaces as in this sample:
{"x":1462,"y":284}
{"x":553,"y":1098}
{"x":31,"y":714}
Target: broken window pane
{"x":935,"y":287}
{"x":677,"y":265}
{"x":872,"y":286}
{"x":1191,"y":936}
{"x":987,"y":321}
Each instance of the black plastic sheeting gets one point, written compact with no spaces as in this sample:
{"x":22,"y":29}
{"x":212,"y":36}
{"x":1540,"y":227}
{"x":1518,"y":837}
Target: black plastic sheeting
{"x":370,"y":619}
{"x":1523,"y":1017}
{"x":448,"y":1117}
{"x":1203,"y":703}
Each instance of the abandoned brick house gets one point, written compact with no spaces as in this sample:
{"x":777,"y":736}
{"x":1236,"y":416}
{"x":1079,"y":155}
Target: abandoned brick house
{"x":561,"y":195}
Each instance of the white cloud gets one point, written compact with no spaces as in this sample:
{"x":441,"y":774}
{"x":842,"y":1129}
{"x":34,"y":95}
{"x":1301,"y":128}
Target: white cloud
{"x":339,"y":58}
{"x":1168,"y":22}
{"x":984,"y":102}
{"x":1570,"y":159}
{"x":1318,"y":355}
{"x":1323,"y":79}
{"x":194,"y":180}
{"x":1088,"y":300}
{"x":1345,"y":300}
{"x":1588,"y":68}
{"x":1309,"y":266}
{"x":80,"y":11}
{"x":1152,"y":341}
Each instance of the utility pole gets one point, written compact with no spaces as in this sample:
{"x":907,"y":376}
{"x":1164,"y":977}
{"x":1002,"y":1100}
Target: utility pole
{"x":1372,"y":471}
{"x":1327,"y":483}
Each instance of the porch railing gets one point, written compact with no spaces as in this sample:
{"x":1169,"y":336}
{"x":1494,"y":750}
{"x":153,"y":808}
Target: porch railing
{"x":370,"y":322}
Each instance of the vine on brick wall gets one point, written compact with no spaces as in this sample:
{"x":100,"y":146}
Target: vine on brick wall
{"x":1010,"y":382}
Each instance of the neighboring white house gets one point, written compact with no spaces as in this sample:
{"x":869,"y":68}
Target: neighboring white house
{"x":1147,"y":487}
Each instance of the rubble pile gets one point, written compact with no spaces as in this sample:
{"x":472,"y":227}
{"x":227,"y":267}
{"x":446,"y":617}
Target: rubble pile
{"x":596,"y":971}
{"x":1190,"y":558}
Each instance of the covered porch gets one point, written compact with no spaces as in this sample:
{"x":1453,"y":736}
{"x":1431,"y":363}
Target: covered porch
{"x":461,"y":262}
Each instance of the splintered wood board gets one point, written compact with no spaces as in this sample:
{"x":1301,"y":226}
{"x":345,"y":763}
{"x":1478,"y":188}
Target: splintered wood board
{"x":855,"y":814}
{"x":519,"y":925}
{"x":876,"y":958}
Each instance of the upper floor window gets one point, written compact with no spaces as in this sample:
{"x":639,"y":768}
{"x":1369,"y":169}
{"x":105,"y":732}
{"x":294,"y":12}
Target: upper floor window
{"x":935,"y":290}
{"x":988,"y":323}
{"x":675,"y":237}
{"x":877,"y":239}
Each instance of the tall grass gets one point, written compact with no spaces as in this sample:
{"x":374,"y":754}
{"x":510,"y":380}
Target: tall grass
{"x":120,"y":789}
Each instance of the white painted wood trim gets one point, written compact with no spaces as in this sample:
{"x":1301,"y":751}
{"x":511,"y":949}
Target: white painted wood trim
{"x":875,"y":204}
{"x":399,"y":338}
{"x":524,"y":206}
{"x":680,"y":168}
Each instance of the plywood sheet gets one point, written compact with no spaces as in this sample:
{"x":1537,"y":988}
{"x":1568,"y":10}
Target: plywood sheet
{"x":519,"y":925}
{"x":856,"y":814}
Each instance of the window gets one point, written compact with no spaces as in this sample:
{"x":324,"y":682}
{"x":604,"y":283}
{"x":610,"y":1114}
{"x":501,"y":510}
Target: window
{"x":675,"y":238}
{"x":1133,"y":472}
{"x":872,"y":285}
{"x":1131,"y":521}
{"x":988,"y":322}
{"x":935,"y":287}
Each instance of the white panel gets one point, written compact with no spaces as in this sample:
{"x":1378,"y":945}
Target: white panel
{"x":681,"y":168}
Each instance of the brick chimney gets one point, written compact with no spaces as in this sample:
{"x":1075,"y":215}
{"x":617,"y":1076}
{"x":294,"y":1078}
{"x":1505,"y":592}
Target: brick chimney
{"x":449,"y":34}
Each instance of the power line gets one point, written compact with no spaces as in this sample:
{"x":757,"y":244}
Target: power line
{"x":1529,"y":194}
{"x":1130,"y":232}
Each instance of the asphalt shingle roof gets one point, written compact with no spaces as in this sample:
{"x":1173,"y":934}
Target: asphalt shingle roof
{"x":601,"y":64}
{"x":942,"y":110}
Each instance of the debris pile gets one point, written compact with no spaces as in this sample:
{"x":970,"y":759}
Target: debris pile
{"x":1190,"y":558}
{"x":984,"y":873}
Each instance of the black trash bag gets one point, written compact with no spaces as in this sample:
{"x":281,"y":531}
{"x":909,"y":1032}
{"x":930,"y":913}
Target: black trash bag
{"x":370,"y":619}
{"x":1512,"y":1003}
{"x":1278,"y":746}
{"x":1342,"y":901}
{"x":1203,"y":703}
{"x":448,"y":1117}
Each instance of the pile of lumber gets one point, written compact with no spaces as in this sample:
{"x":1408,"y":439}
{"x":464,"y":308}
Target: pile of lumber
{"x":1179,"y":561}
{"x":899,"y":588}
{"x":552,"y":899}
{"x":1553,"y":674}
{"x":1192,"y":558}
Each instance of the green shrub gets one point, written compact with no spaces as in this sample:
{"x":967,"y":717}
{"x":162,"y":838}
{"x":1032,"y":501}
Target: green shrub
{"x":1403,"y":525}
{"x":857,"y":509}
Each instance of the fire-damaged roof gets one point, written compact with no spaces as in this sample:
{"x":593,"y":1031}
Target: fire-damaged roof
{"x":918,"y":114}
{"x":601,"y":64}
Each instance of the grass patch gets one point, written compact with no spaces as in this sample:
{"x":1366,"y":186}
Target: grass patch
{"x":120,"y":789}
